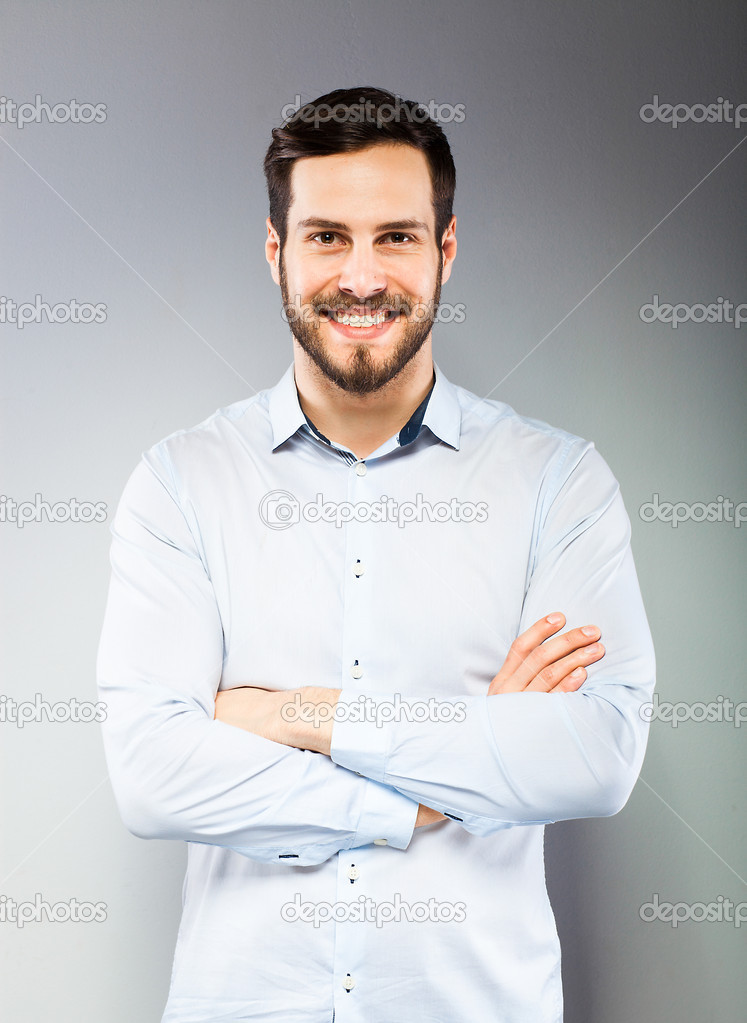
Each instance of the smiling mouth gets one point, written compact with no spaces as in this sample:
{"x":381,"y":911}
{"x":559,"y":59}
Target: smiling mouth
{"x":358,"y":316}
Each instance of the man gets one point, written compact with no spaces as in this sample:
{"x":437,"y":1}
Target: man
{"x":312,"y":592}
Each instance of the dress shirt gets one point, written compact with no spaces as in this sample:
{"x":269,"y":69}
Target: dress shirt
{"x":249,"y":551}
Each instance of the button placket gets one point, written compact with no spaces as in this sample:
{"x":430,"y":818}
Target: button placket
{"x":355,"y":644}
{"x":355,"y":631}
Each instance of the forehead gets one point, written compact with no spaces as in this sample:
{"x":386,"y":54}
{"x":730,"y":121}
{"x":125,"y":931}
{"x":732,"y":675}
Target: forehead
{"x":380,"y":183}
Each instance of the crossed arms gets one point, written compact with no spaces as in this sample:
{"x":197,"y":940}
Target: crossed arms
{"x":535,"y":664}
{"x":536,"y":747}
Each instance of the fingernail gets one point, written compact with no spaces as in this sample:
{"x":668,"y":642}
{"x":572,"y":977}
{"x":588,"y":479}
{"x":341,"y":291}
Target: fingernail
{"x":554,"y":619}
{"x":578,"y":673}
{"x":590,"y":630}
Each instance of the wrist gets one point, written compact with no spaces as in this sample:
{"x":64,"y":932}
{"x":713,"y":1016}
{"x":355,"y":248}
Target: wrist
{"x":310,"y":725}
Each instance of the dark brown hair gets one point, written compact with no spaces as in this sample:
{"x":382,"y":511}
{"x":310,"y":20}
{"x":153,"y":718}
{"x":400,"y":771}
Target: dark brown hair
{"x":347,"y":120}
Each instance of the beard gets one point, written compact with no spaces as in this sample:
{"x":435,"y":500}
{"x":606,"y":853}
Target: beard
{"x":361,"y":374}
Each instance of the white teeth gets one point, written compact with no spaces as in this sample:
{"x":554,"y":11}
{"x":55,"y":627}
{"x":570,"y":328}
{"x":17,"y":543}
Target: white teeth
{"x":355,"y":320}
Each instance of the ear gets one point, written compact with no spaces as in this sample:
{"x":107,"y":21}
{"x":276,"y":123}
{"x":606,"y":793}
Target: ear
{"x":272,"y":251}
{"x":448,"y":248}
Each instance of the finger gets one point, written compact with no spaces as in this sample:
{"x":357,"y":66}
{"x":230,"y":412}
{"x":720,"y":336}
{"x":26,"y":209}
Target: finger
{"x":571,"y":683}
{"x":524,"y":644}
{"x":542,"y":657}
{"x":551,"y":676}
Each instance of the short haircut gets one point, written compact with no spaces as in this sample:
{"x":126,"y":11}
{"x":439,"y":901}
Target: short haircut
{"x":345,"y":121}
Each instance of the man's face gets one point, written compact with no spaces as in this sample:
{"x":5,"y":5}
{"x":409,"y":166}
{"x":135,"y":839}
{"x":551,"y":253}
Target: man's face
{"x":361,"y":247}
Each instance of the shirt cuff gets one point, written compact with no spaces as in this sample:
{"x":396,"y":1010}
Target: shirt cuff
{"x":360,"y":734}
{"x":388,"y":817}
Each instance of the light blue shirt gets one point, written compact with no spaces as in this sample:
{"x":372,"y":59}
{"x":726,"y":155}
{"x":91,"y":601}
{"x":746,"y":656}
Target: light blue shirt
{"x":247,"y":551}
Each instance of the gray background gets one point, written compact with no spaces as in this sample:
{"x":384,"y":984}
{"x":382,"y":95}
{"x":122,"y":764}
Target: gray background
{"x":158,"y":212}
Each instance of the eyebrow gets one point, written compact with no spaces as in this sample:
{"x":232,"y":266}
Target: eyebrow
{"x":335,"y":225}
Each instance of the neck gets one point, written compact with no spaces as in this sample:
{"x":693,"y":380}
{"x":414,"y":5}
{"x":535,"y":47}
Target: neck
{"x":364,"y":422}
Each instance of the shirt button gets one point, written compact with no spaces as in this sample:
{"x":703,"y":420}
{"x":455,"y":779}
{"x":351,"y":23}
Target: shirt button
{"x":353,"y":873}
{"x":356,"y":671}
{"x":358,"y":569}
{"x":360,"y":468}
{"x":380,"y":841}
{"x":348,"y":983}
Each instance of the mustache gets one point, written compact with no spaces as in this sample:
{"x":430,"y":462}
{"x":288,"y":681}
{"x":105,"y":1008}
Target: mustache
{"x":390,"y":303}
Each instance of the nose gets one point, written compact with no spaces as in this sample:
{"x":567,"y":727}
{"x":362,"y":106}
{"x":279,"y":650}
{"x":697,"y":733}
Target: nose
{"x":362,"y":274}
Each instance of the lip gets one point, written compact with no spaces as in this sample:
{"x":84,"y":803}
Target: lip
{"x":372,"y":333}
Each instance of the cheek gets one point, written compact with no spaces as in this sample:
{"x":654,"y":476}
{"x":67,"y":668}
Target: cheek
{"x":310,"y":281}
{"x":421,"y":277}
{"x":422,"y":283}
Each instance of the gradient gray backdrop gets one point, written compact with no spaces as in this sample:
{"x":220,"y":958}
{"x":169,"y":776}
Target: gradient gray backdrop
{"x":572,"y":213}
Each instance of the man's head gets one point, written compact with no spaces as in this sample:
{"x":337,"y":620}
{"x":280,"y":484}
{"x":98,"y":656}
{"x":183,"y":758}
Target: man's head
{"x":361,"y":186}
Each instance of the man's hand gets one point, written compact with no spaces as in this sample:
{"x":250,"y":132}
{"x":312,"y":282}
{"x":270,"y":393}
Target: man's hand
{"x":427,"y":816}
{"x":538,"y":664}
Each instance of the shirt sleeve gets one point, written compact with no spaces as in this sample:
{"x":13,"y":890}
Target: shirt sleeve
{"x":533,"y":758}
{"x":178,"y":773}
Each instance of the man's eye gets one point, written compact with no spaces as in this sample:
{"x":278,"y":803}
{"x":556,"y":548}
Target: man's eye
{"x":398,"y":237}
{"x":327,"y":237}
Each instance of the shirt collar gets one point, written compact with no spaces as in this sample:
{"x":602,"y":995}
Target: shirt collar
{"x":442,"y":413}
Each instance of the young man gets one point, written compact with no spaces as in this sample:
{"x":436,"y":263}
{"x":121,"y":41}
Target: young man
{"x":311,"y":594}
